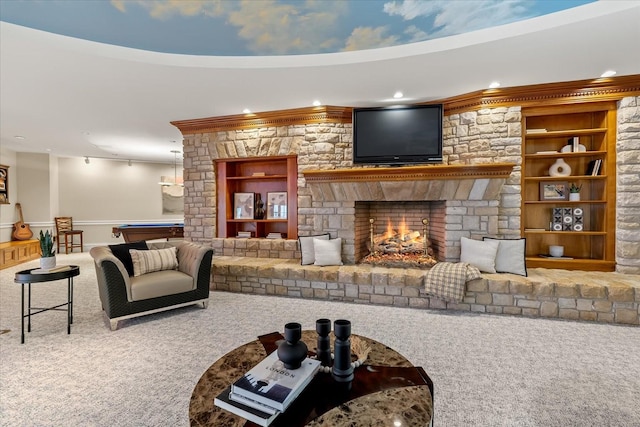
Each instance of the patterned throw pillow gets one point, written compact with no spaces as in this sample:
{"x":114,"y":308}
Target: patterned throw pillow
{"x":121,"y":251}
{"x":153,"y":260}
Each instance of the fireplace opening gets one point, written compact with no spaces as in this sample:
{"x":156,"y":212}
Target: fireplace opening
{"x":399,"y":234}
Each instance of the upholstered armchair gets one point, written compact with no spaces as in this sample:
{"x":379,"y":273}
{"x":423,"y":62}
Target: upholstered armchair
{"x":153,"y":277}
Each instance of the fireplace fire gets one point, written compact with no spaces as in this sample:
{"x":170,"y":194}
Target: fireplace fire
{"x":399,"y":246}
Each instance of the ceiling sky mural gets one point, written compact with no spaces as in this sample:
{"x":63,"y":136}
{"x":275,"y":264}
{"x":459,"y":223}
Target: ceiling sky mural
{"x":269,"y":27}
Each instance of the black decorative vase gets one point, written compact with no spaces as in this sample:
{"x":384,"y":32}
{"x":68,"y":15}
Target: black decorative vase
{"x":292,"y":351}
{"x":323,"y":328}
{"x":342,"y":370}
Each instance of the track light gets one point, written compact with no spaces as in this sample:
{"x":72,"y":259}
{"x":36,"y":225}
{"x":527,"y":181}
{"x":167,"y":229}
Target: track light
{"x":86,"y":160}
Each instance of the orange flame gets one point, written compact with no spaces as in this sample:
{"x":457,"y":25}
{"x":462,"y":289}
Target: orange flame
{"x":402,"y":229}
{"x":389,"y":233}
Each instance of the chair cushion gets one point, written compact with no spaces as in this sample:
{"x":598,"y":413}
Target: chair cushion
{"x":159,"y":284}
{"x":121,"y":252}
{"x":153,"y":260}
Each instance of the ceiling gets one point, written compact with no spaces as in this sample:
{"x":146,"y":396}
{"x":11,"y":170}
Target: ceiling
{"x":73,"y":97}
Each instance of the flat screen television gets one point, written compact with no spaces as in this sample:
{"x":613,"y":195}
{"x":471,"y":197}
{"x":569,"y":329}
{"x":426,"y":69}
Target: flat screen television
{"x":398,"y":135}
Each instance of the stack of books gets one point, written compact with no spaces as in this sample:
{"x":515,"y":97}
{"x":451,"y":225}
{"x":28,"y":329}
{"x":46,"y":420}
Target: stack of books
{"x":593,"y":169}
{"x":244,"y":234}
{"x":274,"y":236}
{"x":267,"y":389}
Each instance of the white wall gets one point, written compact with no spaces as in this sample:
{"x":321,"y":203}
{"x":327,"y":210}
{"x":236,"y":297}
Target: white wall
{"x":98,"y":195}
{"x":7,"y":212}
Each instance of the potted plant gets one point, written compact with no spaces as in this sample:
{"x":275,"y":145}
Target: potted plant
{"x":48,"y":257}
{"x":574,"y":192}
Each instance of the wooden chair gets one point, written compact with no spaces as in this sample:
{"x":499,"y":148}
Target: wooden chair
{"x":64,"y":229}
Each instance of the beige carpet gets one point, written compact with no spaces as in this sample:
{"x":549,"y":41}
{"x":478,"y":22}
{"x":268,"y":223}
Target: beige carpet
{"x":488,"y":370}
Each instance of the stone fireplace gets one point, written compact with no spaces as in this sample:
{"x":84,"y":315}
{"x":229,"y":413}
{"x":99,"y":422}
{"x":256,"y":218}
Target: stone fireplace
{"x":458,"y":200}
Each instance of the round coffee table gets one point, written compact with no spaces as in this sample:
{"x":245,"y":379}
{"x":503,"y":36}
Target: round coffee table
{"x":28,"y":277}
{"x":387,"y":390}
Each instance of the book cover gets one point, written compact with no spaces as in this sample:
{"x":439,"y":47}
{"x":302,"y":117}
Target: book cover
{"x":261,"y":418}
{"x":254,"y":404}
{"x":596,"y":168}
{"x":51,"y":270}
{"x":270,"y":383}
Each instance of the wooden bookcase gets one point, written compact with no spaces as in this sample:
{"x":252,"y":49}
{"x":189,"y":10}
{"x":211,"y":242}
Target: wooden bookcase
{"x":258,"y":175}
{"x":549,"y":129}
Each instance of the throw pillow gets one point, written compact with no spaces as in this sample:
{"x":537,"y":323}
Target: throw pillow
{"x":328,"y":252}
{"x":306,"y":248}
{"x":510,"y":257}
{"x":479,"y":253}
{"x":121,"y":252}
{"x":153,"y":260}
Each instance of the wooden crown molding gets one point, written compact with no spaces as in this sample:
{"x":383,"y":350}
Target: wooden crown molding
{"x":411,"y":173}
{"x":295,"y":116}
{"x":579,"y":91}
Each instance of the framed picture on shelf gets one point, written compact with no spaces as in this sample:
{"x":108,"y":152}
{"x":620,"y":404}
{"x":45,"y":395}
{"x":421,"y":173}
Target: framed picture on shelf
{"x":243,"y":205}
{"x":277,"y":205}
{"x":554,"y":190}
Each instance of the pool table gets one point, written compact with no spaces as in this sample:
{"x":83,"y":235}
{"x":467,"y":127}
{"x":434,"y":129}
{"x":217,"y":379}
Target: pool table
{"x":136,"y":232}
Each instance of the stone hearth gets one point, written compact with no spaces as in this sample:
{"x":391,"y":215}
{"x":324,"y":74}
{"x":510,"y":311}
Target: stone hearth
{"x":469,"y":196}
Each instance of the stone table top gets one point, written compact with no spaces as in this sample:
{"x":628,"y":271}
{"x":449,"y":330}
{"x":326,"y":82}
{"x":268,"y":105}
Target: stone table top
{"x":387,"y":389}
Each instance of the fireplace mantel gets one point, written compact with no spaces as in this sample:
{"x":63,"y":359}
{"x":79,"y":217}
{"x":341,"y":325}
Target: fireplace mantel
{"x":412,"y":183}
{"x":411,"y":173}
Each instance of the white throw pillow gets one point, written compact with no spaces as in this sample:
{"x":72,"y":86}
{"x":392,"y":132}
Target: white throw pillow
{"x":328,"y":252}
{"x":153,"y":260}
{"x":511,"y":256}
{"x":307,"y":254}
{"x":479,"y":253}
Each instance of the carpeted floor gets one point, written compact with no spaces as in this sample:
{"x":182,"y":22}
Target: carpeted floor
{"x":488,"y":370}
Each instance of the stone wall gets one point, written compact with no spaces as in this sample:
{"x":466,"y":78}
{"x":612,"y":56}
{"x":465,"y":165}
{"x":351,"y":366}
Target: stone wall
{"x":490,"y":136}
{"x":628,"y":187}
{"x":589,"y":296}
{"x":484,"y":136}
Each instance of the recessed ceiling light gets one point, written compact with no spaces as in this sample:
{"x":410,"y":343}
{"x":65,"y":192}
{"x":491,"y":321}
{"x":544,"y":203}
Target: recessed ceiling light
{"x":246,"y":111}
{"x":608,"y":73}
{"x":398,"y":95}
{"x":494,"y":85}
{"x":19,"y":137}
{"x":317,"y":103}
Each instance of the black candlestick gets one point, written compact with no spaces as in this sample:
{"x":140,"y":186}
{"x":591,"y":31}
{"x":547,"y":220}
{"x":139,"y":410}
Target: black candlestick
{"x":342,"y":370}
{"x":323,"y":328}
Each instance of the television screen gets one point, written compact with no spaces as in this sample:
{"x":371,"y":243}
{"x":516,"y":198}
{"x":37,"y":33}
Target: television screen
{"x":398,"y":135}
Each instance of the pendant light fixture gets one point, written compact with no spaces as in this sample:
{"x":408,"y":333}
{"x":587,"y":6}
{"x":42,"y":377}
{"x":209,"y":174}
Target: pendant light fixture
{"x":175,"y":171}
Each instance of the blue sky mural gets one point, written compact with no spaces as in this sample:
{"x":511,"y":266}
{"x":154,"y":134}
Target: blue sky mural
{"x":268,"y":27}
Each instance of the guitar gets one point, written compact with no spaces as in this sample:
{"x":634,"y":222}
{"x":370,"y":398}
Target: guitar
{"x":21,"y":231}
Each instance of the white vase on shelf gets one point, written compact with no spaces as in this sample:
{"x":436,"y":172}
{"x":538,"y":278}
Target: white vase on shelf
{"x":560,"y":168}
{"x":574,"y":197}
